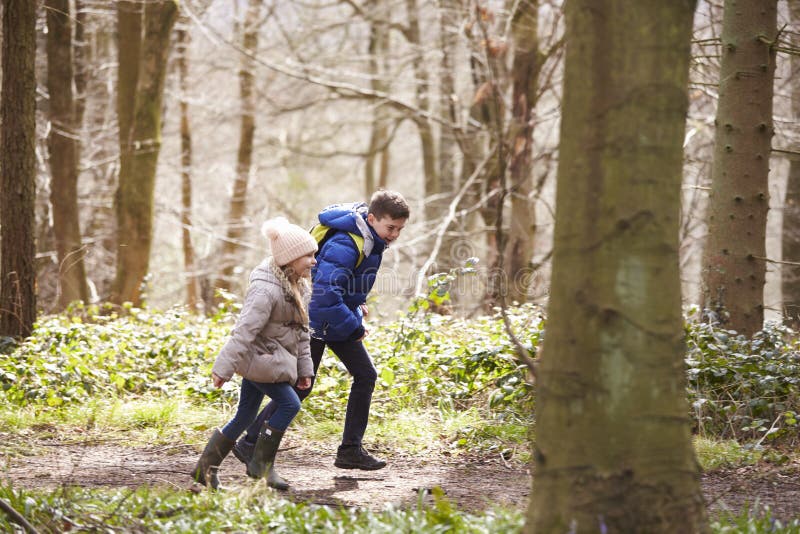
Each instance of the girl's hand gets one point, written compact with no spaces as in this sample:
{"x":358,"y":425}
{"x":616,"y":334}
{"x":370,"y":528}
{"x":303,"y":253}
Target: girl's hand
{"x":304,"y":382}
{"x":218,"y":381}
{"x":364,"y":310}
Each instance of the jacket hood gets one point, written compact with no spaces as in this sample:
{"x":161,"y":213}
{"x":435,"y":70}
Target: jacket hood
{"x":265,"y":272}
{"x":351,"y":217}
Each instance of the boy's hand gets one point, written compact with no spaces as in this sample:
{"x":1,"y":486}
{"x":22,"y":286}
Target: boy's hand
{"x":218,"y":381}
{"x":366,"y":333}
{"x":304,"y":382}
{"x":364,"y":310}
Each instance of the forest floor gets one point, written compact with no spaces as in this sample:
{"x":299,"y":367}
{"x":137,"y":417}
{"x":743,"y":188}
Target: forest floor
{"x":473,"y":482}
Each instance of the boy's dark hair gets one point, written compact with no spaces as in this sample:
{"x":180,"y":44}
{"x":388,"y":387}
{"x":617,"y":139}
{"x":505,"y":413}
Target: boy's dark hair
{"x":389,"y":203}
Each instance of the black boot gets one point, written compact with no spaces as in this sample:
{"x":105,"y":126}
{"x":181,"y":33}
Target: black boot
{"x":243,"y":450}
{"x":217,"y":448}
{"x":356,"y":457}
{"x":263,"y":461}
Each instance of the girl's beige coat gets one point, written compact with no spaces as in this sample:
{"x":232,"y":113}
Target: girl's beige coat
{"x":269,"y":343}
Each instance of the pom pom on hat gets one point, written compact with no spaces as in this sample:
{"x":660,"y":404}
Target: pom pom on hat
{"x":287,"y":241}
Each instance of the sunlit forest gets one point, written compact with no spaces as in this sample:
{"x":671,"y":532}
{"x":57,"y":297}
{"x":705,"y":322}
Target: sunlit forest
{"x":588,"y":323}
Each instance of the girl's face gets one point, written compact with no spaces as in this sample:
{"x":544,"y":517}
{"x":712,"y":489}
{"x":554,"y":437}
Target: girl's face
{"x":301,"y":267}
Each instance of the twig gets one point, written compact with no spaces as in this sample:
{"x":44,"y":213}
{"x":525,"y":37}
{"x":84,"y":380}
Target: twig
{"x":16,"y":517}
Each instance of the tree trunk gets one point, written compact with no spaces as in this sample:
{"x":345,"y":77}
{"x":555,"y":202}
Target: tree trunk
{"x":63,"y":143}
{"x":376,"y":167}
{"x":613,"y":450}
{"x":790,"y":274}
{"x":244,"y":158}
{"x":18,"y":169}
{"x":734,"y":268}
{"x":192,"y":285}
{"x":426,"y":137}
{"x":452,"y":253}
{"x":140,"y":137}
{"x":522,"y":224}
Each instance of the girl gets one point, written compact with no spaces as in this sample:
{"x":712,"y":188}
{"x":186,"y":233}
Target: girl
{"x":269,"y":347}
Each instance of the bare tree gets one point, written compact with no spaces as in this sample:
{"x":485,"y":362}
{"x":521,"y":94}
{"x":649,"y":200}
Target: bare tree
{"x":734,"y":264}
{"x":63,"y":142}
{"x":192,"y":281}
{"x":18,"y":168}
{"x":244,"y":157}
{"x":144,"y":37}
{"x":613,"y":446}
{"x":790,"y":236}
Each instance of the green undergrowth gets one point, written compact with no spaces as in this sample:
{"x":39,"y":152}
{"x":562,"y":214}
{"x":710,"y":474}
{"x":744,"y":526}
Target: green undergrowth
{"x":741,"y":388}
{"x":147,"y":372}
{"x":257,"y":509}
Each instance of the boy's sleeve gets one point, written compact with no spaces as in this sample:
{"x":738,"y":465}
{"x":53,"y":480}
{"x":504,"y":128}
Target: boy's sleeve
{"x":332,"y":280}
{"x":255,"y":314}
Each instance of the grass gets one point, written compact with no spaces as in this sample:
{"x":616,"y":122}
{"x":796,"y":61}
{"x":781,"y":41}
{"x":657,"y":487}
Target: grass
{"x":714,"y":454}
{"x":252,"y":509}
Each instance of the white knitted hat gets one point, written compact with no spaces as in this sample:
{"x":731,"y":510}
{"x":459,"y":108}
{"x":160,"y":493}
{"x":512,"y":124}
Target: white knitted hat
{"x":287,"y":241}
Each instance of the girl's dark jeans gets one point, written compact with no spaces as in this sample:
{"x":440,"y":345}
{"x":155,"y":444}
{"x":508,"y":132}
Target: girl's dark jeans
{"x":358,"y":363}
{"x":283,"y":396}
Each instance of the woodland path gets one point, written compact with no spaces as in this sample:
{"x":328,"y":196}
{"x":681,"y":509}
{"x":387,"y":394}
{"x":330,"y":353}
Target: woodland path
{"x":474,"y":483}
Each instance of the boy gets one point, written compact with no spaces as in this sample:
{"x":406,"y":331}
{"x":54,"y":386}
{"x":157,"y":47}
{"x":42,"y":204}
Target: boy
{"x":347,"y":265}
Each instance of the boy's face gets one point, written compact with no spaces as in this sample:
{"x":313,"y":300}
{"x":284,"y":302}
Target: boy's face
{"x":387,"y":228}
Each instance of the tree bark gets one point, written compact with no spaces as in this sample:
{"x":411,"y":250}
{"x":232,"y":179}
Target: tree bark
{"x":790,"y":274}
{"x":424,"y":127}
{"x":613,"y":450}
{"x":18,"y":168}
{"x":734,"y":268}
{"x":140,"y":137}
{"x":244,"y":158}
{"x":522,"y":224}
{"x":376,"y":165}
{"x":192,"y":282}
{"x":63,"y":143}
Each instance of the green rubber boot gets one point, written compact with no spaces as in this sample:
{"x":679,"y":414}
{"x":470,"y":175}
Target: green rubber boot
{"x":263,"y":460}
{"x":217,"y":448}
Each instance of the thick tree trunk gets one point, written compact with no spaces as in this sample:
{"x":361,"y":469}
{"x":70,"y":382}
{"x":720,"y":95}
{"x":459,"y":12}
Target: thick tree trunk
{"x":18,"y":169}
{"x":734,"y":262}
{"x":192,"y":282}
{"x":522,"y":224}
{"x":244,"y":158}
{"x":790,"y":274}
{"x":63,"y":143}
{"x":613,"y":450}
{"x":140,"y":139}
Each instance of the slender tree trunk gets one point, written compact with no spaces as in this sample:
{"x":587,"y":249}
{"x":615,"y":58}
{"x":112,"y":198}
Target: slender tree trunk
{"x":18,"y":169}
{"x":192,"y":282}
{"x":734,"y":267}
{"x":452,"y":253}
{"x":244,"y":158}
{"x":613,"y":450}
{"x":424,"y":127}
{"x":63,"y":143}
{"x":790,"y":274}
{"x":522,"y":223}
{"x":140,"y":137}
{"x":376,"y":168}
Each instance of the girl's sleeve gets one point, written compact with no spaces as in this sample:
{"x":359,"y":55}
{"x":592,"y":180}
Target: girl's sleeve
{"x":255,"y":314}
{"x":305,"y":365}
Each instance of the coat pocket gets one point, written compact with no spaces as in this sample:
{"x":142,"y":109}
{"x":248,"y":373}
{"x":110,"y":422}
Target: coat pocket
{"x":279,"y":366}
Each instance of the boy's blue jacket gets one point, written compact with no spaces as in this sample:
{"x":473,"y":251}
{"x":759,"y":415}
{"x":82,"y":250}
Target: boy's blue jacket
{"x":339,"y":287}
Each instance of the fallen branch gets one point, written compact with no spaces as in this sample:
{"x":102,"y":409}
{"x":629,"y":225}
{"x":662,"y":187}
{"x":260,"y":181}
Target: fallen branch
{"x":16,"y":517}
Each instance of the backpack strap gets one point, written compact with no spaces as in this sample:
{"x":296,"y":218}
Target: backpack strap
{"x":321,"y":233}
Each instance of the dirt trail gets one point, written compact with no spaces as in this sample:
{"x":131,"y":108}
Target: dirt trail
{"x":473,"y":483}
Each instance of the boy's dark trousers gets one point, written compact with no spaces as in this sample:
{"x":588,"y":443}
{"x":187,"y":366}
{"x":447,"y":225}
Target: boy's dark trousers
{"x":358,"y":363}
